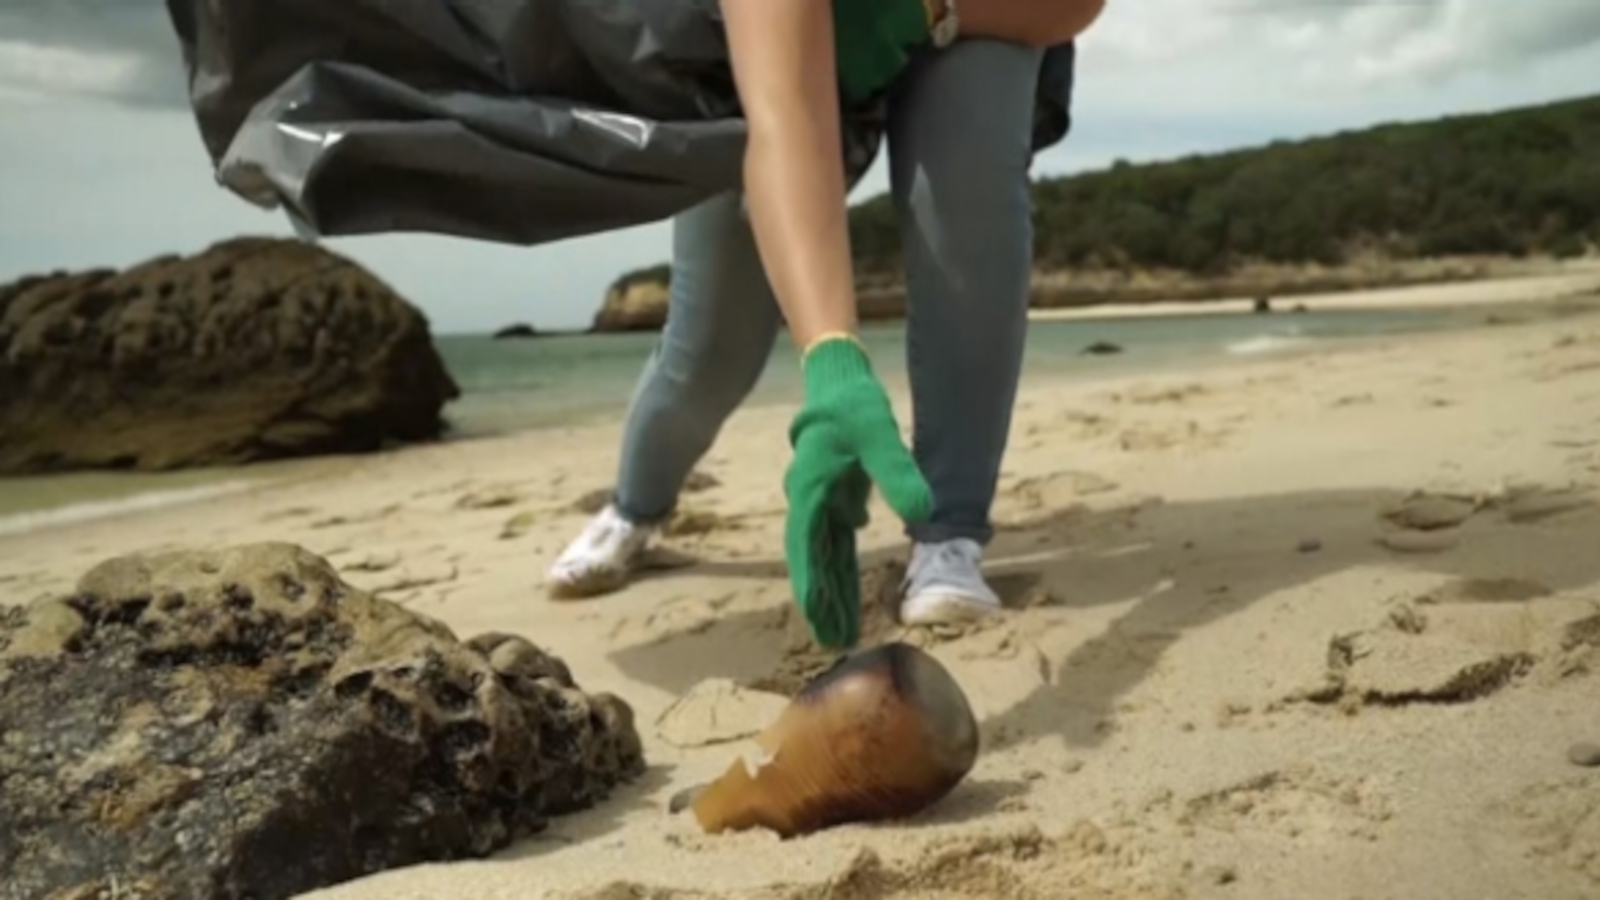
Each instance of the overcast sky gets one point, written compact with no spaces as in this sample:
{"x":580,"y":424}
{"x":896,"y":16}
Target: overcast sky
{"x":100,"y":162}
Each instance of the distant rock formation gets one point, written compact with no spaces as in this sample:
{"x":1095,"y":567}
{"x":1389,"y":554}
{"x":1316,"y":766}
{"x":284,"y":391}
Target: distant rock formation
{"x":242,"y":723}
{"x":253,"y":349}
{"x":519,"y":330}
{"x":637,"y":301}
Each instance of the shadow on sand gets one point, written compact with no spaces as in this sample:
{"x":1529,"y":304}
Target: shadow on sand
{"x":1176,"y":566}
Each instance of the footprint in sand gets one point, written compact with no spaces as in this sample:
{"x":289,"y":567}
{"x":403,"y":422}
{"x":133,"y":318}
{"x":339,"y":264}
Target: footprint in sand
{"x":699,"y":523}
{"x":1585,"y":754}
{"x":376,"y":515}
{"x":596,"y":500}
{"x":1032,"y":497}
{"x":1449,"y":648}
{"x":718,"y":711}
{"x":1560,"y":820}
{"x":1538,"y":504}
{"x":1151,"y":438}
{"x":414,"y":577}
{"x":518,"y":525}
{"x":1485,"y":590}
{"x":374,"y":562}
{"x":1301,"y":803}
{"x":1021,"y":863}
{"x":293,"y":512}
{"x":494,"y":496}
{"x":1146,"y":395}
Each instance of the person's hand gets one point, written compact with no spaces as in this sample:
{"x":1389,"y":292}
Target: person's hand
{"x":845,"y":438}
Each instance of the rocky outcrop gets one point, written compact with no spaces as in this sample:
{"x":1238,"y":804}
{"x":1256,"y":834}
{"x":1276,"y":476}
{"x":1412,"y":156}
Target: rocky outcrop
{"x":518,"y":330}
{"x":241,"y":724}
{"x":254,"y":349}
{"x":637,"y":301}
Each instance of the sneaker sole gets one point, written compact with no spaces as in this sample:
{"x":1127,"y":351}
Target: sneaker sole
{"x":589,"y":584}
{"x":944,"y":609}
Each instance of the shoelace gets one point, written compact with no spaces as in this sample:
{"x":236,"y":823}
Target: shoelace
{"x":950,"y":554}
{"x":597,"y":534}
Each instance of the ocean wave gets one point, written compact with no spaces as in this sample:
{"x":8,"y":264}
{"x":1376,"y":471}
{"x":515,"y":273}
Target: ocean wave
{"x":1267,"y":343}
{"x":72,"y":513}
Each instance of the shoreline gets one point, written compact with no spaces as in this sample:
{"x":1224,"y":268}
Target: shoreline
{"x":1575,"y":280}
{"x":183,"y":487}
{"x":1508,"y":279}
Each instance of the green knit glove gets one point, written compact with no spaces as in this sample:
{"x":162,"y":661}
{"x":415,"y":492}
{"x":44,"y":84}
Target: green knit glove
{"x":845,"y":438}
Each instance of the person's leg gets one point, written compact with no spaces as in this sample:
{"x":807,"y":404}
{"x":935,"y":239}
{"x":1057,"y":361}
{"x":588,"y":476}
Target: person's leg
{"x":960,"y":140}
{"x":722,"y":320}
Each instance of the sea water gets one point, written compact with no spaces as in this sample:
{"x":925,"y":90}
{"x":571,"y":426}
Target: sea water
{"x":510,"y":385}
{"x":523,"y":384}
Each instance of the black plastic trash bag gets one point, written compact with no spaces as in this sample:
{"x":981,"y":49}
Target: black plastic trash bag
{"x":516,"y":121}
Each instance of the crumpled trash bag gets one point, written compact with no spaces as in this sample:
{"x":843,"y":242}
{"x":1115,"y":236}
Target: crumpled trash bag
{"x":515,"y":121}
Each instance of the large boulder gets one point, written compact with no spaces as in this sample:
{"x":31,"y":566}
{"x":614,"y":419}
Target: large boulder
{"x":637,"y":301}
{"x":254,"y":349}
{"x":241,"y":724}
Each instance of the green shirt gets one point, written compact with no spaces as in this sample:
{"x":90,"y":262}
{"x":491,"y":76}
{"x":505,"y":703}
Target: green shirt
{"x":873,"y":41}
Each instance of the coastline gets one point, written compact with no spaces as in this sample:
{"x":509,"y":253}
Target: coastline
{"x":1558,"y":281}
{"x":75,"y":496}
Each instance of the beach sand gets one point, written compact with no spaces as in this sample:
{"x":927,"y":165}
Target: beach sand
{"x":1508,"y":284}
{"x":1216,"y":679}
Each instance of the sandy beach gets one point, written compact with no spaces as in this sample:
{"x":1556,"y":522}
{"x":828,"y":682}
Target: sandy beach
{"x":1508,"y":283}
{"x":1235,"y":663}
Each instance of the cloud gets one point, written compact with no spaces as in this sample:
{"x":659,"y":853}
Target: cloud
{"x":119,"y":50}
{"x":1238,"y":51}
{"x":1211,"y":54}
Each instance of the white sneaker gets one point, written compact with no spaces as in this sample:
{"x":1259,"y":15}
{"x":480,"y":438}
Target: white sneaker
{"x":944,"y":584}
{"x":602,"y":557}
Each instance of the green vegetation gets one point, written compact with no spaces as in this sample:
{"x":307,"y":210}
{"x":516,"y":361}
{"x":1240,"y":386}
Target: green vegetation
{"x":1512,"y":183}
{"x":1520,"y":182}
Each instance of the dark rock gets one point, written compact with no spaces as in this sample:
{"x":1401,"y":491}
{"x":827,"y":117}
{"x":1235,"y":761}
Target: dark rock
{"x":519,"y":330}
{"x":242,"y":724}
{"x":1263,"y":305}
{"x":637,"y":301}
{"x":1101,"y":348}
{"x":254,"y":349}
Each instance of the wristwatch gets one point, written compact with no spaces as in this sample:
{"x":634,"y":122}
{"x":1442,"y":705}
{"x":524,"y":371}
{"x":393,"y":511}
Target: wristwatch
{"x":945,"y":29}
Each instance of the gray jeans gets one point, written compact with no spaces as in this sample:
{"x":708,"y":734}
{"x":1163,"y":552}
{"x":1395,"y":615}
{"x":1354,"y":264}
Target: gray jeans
{"x":959,"y":132}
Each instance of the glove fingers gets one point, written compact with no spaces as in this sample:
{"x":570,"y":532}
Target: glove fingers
{"x":847,"y":499}
{"x":833,"y":611}
{"x":837,"y":612}
{"x":826,"y":579}
{"x":899,"y":479}
{"x":819,"y":543}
